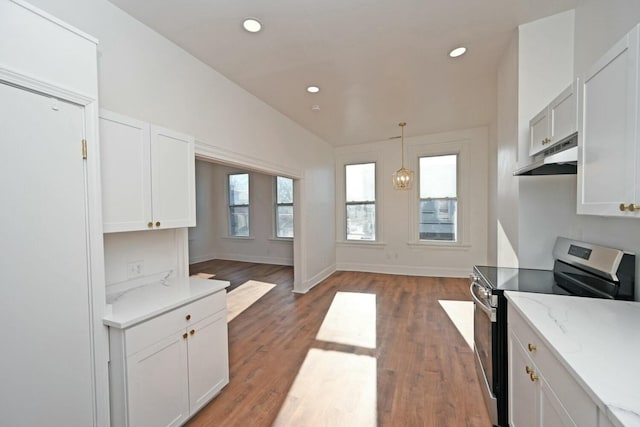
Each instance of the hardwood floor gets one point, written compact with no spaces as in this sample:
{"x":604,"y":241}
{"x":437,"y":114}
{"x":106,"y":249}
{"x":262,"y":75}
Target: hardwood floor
{"x":237,"y":272}
{"x":418,"y":371}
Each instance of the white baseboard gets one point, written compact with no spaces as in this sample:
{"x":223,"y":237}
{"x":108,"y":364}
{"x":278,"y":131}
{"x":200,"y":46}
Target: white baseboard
{"x":405,"y":270}
{"x":201,"y":258}
{"x":256,"y":258}
{"x":317,"y":278}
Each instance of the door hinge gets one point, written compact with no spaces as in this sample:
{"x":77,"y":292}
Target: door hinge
{"x":84,"y":148}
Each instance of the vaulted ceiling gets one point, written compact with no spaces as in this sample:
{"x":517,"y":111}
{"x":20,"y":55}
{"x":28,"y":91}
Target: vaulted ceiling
{"x":377,"y":62}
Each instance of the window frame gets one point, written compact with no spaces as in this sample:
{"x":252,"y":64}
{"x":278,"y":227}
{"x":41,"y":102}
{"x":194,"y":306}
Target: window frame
{"x":456,"y":198}
{"x":462,"y":145}
{"x":374,"y":203}
{"x":231,"y":206}
{"x":278,"y":205}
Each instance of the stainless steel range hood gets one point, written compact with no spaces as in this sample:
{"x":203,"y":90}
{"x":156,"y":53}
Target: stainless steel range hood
{"x":561,"y":159}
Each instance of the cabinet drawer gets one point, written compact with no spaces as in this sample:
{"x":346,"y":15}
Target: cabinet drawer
{"x":528,"y":338}
{"x":153,"y":330}
{"x":205,"y":307}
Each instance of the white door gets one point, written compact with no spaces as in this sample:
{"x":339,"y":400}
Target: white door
{"x":208,"y":359}
{"x":126,"y":173}
{"x":172,"y":179}
{"x":46,"y":371}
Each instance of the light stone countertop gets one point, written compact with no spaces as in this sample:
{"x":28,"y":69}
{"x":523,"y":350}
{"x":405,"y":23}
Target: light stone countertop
{"x":597,"y":341}
{"x":133,"y":306}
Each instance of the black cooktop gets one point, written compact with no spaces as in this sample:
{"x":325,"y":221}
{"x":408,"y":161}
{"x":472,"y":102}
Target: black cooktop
{"x":520,"y":279}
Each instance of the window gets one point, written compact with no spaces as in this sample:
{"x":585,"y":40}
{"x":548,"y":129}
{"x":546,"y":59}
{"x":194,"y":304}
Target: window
{"x":360,"y":182}
{"x":438,"y":217}
{"x":284,"y":207}
{"x":239,"y":205}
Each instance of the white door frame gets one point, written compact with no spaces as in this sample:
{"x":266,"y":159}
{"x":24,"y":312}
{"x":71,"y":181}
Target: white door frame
{"x":210,"y":153}
{"x":96,"y":286}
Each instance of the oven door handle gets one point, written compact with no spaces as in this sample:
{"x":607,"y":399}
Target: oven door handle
{"x":491,"y":312}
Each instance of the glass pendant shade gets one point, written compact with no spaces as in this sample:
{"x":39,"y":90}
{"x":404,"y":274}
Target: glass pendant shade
{"x":403,"y":177}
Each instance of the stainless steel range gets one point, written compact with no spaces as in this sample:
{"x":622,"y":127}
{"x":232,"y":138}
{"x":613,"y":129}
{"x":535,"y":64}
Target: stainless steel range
{"x":580,"y":269}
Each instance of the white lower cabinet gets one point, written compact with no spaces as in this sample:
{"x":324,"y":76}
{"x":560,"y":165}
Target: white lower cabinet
{"x":157,"y":384}
{"x":208,"y":366}
{"x":541,"y":391}
{"x":167,"y":368}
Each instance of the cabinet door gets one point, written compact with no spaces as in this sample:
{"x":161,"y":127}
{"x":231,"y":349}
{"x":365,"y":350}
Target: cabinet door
{"x":46,"y":366}
{"x":523,"y":393}
{"x":173,"y":179}
{"x":208,"y":359}
{"x":157,"y":384}
{"x":539,"y":132}
{"x":563,"y":115}
{"x":607,"y":150}
{"x":126,"y":173}
{"x":552,"y":413}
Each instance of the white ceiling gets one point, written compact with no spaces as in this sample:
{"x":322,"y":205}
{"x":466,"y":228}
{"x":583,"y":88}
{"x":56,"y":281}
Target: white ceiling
{"x":377,"y":62}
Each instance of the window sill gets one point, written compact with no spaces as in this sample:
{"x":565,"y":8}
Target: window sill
{"x":238,"y":237}
{"x":360,"y":244}
{"x":281,"y":239}
{"x":453,"y":246}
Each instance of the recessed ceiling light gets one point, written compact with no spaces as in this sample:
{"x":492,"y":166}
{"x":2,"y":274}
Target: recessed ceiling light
{"x":315,"y":107}
{"x":457,"y":52}
{"x":252,"y":25}
{"x":313,"y":89}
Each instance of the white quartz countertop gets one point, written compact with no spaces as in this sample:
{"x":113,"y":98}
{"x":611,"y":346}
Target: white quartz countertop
{"x":130,"y":307}
{"x":598,"y":341}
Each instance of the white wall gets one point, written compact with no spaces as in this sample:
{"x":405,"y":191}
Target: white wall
{"x":507,"y":158}
{"x":545,"y":68}
{"x":599,"y":24}
{"x":492,"y":199}
{"x":398,"y":251}
{"x":202,"y":237}
{"x":536,"y":66}
{"x":158,"y":250}
{"x":143,"y":75}
{"x":208,"y":240}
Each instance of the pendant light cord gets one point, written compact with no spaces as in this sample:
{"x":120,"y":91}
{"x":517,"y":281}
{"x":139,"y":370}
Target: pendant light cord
{"x":402,"y":125}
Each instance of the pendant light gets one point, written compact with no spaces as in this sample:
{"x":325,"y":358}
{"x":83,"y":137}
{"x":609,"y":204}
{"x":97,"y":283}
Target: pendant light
{"x":402,"y":178}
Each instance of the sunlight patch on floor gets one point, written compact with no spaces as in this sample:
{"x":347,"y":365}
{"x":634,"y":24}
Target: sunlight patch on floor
{"x":241,"y":298}
{"x":350,"y":320}
{"x":332,"y":389}
{"x":461,"y":314}
{"x":203,"y":275}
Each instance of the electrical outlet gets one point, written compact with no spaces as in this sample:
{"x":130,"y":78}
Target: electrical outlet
{"x":134,"y":269}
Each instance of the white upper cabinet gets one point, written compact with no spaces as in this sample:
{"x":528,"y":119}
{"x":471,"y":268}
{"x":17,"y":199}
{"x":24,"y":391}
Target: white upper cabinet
{"x":608,"y":137}
{"x":172,"y":179}
{"x":126,"y":173}
{"x":555,"y":122}
{"x":148,"y":175}
{"x":563,"y":114}
{"x":539,"y":132}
